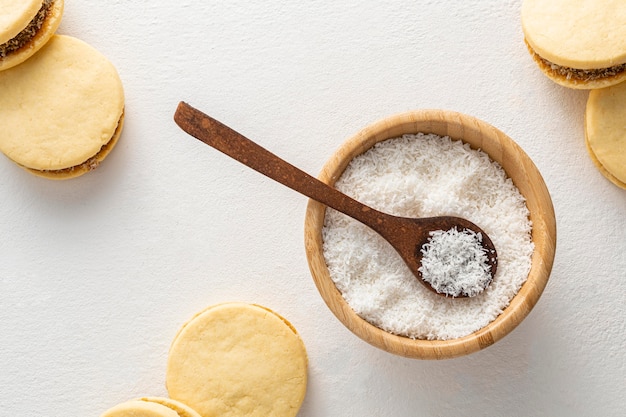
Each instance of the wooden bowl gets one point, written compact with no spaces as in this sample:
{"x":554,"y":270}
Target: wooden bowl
{"x":519,"y":168}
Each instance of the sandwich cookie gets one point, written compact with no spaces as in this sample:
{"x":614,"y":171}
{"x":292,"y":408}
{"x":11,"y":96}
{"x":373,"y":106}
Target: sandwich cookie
{"x":238,"y":359}
{"x":151,"y":407}
{"x":62,"y":110}
{"x":605,"y":131}
{"x":577,"y":43}
{"x":26,"y":26}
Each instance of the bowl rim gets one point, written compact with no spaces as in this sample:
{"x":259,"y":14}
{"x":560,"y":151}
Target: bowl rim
{"x":517,"y":165}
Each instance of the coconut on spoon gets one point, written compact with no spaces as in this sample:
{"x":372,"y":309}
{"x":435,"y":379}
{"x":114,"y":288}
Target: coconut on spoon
{"x":449,"y":255}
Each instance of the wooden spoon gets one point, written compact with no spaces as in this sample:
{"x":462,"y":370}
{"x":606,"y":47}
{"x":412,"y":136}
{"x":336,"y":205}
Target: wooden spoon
{"x":406,"y":235}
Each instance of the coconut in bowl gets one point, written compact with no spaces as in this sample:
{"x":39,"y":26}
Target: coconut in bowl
{"x":420,"y":164}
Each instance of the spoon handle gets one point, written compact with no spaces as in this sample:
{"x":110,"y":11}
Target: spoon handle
{"x":242,"y":149}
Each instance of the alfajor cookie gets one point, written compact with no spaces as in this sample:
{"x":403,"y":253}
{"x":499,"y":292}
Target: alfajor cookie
{"x":238,"y":359}
{"x":151,"y":407}
{"x":577,"y":43}
{"x":62,"y":110}
{"x":25,"y":27}
{"x":183,"y":410}
{"x":605,"y":131}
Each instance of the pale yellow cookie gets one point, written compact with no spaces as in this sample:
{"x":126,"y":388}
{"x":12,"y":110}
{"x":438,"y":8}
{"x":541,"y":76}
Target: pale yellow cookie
{"x":15,"y":16}
{"x":25,"y":27}
{"x":237,"y":359}
{"x":601,"y":168}
{"x":577,"y":43}
{"x":605,"y":131}
{"x":138,"y":408}
{"x":61,"y":110}
{"x":183,"y":410}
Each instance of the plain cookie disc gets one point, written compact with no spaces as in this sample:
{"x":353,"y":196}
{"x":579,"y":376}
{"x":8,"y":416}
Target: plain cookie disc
{"x":61,"y":111}
{"x":605,"y":131}
{"x":237,"y":359}
{"x":151,"y":407}
{"x":25,"y":27}
{"x":577,"y":43}
{"x":183,"y":410}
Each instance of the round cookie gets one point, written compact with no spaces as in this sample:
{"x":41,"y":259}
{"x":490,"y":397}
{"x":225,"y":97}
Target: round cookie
{"x":25,"y":27}
{"x":577,"y":43}
{"x":605,"y":131}
{"x":150,"y":407}
{"x":183,"y":410}
{"x":61,"y":110}
{"x":139,"y":409}
{"x":238,"y":359}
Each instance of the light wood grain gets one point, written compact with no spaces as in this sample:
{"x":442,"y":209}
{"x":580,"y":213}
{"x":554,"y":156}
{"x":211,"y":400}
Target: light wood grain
{"x":518,"y":166}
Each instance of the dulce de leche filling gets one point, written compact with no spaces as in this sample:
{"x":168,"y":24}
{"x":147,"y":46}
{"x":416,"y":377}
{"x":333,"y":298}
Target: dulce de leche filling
{"x":28,"y":33}
{"x":577,"y":74}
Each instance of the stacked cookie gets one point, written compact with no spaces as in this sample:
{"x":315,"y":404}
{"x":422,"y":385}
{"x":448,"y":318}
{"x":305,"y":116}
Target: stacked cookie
{"x":230,"y":360}
{"x":62,"y":102}
{"x":581,"y":44}
{"x":151,"y":407}
{"x":26,"y":26}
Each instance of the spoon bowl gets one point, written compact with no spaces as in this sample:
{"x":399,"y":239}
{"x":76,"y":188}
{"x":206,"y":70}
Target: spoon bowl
{"x":407,"y":235}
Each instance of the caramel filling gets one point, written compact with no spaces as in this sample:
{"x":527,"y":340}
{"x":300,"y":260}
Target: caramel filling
{"x":584,"y":75}
{"x":577,"y":74}
{"x":29,"y":31}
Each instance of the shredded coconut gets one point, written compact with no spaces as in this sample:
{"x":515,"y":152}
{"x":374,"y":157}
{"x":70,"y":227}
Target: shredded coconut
{"x":420,"y":176}
{"x":456,"y":263}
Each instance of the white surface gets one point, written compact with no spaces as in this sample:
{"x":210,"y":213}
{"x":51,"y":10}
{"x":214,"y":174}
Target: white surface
{"x":97,"y":274}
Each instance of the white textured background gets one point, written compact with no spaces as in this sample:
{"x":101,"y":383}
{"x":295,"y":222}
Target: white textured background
{"x":98,"y":273}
